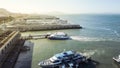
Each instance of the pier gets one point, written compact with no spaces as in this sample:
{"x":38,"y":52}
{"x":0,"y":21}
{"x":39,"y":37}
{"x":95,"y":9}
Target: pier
{"x":10,"y":61}
{"x":10,"y":45}
{"x":40,"y":36}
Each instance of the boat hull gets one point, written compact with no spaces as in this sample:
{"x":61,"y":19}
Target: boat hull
{"x":116,"y":60}
{"x":48,"y":66}
{"x":68,"y":58}
{"x":56,"y":38}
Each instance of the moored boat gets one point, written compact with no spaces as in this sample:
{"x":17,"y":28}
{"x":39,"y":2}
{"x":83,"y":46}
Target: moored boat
{"x":70,"y":58}
{"x":58,"y":36}
{"x":117,"y":59}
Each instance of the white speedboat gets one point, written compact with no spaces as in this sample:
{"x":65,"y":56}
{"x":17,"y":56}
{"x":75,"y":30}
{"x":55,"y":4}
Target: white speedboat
{"x":117,"y":59}
{"x":64,"y":58}
{"x":58,"y":36}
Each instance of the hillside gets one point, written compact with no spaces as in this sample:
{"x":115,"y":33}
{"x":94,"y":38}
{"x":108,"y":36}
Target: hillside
{"x":7,"y":16}
{"x":4,"y":12}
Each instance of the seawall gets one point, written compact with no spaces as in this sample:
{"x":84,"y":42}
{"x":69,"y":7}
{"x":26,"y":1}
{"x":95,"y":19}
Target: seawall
{"x":43,"y":27}
{"x":7,"y":45}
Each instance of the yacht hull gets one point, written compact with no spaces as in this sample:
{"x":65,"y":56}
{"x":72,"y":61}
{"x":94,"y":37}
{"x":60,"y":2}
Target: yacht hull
{"x":116,"y":60}
{"x":48,"y":66}
{"x":55,"y":38}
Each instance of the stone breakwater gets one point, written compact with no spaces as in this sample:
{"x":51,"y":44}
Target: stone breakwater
{"x":43,"y":27}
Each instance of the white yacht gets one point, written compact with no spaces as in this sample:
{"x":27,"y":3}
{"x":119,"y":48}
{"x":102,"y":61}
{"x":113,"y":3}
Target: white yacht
{"x":117,"y":59}
{"x":70,"y":58}
{"x":58,"y":36}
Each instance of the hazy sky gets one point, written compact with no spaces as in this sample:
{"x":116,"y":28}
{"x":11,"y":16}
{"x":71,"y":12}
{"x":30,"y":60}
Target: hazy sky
{"x":65,"y":6}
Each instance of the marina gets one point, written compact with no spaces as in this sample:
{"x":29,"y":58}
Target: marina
{"x":96,"y":40}
{"x":59,"y":34}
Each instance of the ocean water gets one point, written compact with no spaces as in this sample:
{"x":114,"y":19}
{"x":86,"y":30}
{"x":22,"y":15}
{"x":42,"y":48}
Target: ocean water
{"x":99,"y":38}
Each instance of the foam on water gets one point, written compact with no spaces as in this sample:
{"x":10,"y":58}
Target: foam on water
{"x":116,"y":33}
{"x":113,"y":31}
{"x":108,"y":29}
{"x":90,"y":53}
{"x":81,"y":38}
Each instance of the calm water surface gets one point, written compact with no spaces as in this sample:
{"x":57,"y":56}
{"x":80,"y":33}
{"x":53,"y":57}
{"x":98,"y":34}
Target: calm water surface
{"x":99,"y":38}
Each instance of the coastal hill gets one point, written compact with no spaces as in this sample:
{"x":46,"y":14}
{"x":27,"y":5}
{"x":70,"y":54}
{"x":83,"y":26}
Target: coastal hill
{"x":7,"y":16}
{"x":4,"y":12}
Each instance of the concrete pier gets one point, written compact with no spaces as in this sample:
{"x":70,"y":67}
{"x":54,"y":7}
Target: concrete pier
{"x":13,"y":55}
{"x":7,"y":44}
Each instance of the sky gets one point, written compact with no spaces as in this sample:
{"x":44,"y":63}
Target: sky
{"x":61,"y":6}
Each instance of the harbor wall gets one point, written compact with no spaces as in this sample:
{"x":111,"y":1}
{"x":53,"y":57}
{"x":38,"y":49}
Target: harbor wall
{"x":43,"y":27}
{"x":7,"y":44}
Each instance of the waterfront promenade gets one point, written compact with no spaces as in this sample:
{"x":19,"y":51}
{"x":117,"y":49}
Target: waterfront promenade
{"x":10,"y":46}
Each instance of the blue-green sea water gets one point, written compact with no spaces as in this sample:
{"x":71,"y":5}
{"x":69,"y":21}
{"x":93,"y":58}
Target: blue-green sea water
{"x":99,"y":38}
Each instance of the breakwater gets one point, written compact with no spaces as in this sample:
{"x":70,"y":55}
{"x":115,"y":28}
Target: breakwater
{"x":42,"y":27}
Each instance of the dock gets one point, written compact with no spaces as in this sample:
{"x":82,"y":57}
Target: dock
{"x":40,"y":36}
{"x":10,"y":44}
{"x":13,"y":55}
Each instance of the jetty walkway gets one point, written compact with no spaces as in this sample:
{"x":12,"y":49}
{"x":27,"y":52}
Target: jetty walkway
{"x":40,"y":36}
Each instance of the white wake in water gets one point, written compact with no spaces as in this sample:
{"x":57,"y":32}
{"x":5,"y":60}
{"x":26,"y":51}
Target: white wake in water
{"x":113,"y":31}
{"x":81,"y":38}
{"x":89,"y":53}
{"x":108,"y":29}
{"x":116,"y":33}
